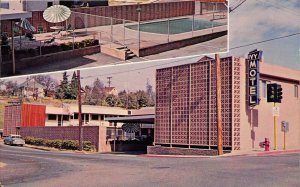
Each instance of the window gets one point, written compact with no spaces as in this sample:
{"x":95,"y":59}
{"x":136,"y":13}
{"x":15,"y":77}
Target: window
{"x":65,"y":118}
{"x":75,"y":115}
{"x":95,"y":117}
{"x":49,"y":4}
{"x":52,"y":117}
{"x":296,"y":91}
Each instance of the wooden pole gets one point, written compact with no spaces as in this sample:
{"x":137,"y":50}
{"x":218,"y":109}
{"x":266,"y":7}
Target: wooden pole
{"x":13,"y":48}
{"x":79,"y":111}
{"x":219,"y":115}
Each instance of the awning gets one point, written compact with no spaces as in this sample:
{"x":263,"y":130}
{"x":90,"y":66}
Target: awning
{"x":145,"y":119}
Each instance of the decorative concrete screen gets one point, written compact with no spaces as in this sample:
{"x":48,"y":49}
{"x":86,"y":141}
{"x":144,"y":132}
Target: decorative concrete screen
{"x":186,"y":113}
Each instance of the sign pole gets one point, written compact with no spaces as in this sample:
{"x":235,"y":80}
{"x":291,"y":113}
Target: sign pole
{"x":274,"y":129}
{"x":284,"y":140}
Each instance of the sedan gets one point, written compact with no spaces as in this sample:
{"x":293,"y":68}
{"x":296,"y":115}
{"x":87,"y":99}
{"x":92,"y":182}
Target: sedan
{"x":14,"y":140}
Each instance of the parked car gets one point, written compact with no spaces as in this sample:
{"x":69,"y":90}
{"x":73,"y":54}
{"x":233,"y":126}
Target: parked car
{"x":14,"y":139}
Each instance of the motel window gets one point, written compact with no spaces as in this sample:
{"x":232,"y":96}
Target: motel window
{"x":65,"y":118}
{"x":76,"y":116}
{"x":102,"y":117}
{"x":52,"y":117}
{"x":95,"y":117}
{"x":87,"y":118}
{"x":296,"y":91}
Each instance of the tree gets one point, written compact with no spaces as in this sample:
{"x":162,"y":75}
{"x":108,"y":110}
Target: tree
{"x":73,"y":86}
{"x":11,"y":88}
{"x":63,"y":91}
{"x":95,"y":94}
{"x":112,"y":100}
{"x":142,"y":98}
{"x":150,"y":93}
{"x":47,"y":81}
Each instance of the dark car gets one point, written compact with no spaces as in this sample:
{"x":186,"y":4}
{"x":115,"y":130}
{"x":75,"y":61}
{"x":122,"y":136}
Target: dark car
{"x":14,"y":139}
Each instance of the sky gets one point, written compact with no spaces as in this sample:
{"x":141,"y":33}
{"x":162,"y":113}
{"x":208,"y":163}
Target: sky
{"x":253,"y":21}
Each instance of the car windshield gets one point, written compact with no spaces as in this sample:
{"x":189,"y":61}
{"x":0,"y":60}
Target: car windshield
{"x":16,"y":137}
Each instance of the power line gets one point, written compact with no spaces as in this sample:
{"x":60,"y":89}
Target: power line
{"x":235,"y":7}
{"x":281,"y":7}
{"x":264,"y":41}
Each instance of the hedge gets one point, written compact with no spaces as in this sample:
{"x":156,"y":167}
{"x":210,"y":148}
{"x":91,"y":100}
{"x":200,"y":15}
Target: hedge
{"x":60,"y":144}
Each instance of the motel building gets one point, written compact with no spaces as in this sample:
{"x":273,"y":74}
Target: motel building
{"x":186,"y":111}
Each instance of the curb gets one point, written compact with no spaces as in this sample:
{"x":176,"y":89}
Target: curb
{"x":277,"y":152}
{"x":175,"y":156}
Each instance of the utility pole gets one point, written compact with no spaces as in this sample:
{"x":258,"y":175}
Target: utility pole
{"x":219,"y":115}
{"x":79,"y":111}
{"x":109,"y":81}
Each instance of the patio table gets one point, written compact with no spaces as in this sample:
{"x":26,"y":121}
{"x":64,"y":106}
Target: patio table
{"x":57,"y":28}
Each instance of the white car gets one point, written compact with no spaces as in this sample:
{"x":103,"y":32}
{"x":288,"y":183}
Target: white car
{"x":14,"y":139}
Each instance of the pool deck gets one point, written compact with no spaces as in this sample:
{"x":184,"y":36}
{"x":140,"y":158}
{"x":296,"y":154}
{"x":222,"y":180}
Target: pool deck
{"x":117,"y":39}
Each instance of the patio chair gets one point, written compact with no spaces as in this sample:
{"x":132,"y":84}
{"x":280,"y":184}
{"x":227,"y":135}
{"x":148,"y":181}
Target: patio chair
{"x":29,"y":36}
{"x":50,"y":41}
{"x":56,"y":33}
{"x":40,"y":29}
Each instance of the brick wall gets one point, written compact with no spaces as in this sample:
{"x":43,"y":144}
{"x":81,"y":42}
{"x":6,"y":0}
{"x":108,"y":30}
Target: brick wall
{"x":90,"y":133}
{"x":160,"y":150}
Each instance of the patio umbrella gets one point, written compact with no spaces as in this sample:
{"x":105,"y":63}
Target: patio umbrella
{"x":25,"y":24}
{"x":131,"y":127}
{"x":56,"y":14}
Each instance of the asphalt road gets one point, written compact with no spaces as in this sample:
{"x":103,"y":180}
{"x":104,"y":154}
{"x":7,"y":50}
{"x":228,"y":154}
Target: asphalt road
{"x":28,"y":167}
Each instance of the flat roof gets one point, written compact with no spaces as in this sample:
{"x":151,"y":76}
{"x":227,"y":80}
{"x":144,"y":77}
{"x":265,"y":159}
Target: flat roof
{"x":146,"y":119}
{"x":9,"y":14}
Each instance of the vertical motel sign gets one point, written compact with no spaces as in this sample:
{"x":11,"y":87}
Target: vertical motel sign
{"x":254,"y":58}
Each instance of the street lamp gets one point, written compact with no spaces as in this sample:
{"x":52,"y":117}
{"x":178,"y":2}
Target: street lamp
{"x":139,"y":10}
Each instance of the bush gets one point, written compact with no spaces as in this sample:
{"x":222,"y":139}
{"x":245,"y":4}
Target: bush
{"x":60,"y":144}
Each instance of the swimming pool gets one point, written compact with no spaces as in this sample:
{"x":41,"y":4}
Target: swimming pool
{"x":176,"y":26}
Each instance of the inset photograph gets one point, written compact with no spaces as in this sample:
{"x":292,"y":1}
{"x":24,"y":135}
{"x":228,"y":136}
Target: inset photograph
{"x":47,"y":36}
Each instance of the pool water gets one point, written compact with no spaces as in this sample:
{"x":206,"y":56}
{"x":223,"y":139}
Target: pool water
{"x":176,"y":26}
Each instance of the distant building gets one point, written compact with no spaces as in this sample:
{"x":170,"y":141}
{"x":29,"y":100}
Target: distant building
{"x":110,"y":90}
{"x":30,"y":5}
{"x":31,"y":89}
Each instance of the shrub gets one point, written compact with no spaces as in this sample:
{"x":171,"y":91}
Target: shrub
{"x":60,"y":144}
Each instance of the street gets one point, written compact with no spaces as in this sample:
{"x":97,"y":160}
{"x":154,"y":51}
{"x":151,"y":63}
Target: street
{"x":28,"y":167}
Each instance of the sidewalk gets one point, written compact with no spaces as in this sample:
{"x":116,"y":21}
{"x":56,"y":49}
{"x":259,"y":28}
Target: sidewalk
{"x":260,"y":153}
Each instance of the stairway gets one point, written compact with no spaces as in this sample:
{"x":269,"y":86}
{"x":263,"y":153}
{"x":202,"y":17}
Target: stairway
{"x":129,"y":54}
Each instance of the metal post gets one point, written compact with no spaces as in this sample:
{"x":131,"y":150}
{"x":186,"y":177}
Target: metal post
{"x":115,"y":129}
{"x":171,"y":109}
{"x":219,"y":104}
{"x":0,"y":52}
{"x":73,"y":40}
{"x":13,"y":48}
{"x":79,"y":111}
{"x":284,"y":140}
{"x":124,"y":32}
{"x":168,"y":30}
{"x":193,"y":25}
{"x":111,"y":29}
{"x":275,"y":137}
{"x":85,"y":22}
{"x":139,"y":28}
{"x":40,"y":48}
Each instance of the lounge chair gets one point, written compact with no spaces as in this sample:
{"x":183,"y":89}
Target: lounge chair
{"x":50,"y":41}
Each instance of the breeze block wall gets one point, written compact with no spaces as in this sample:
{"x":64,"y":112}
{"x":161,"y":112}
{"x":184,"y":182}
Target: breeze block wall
{"x":186,"y":110}
{"x":90,"y":133}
